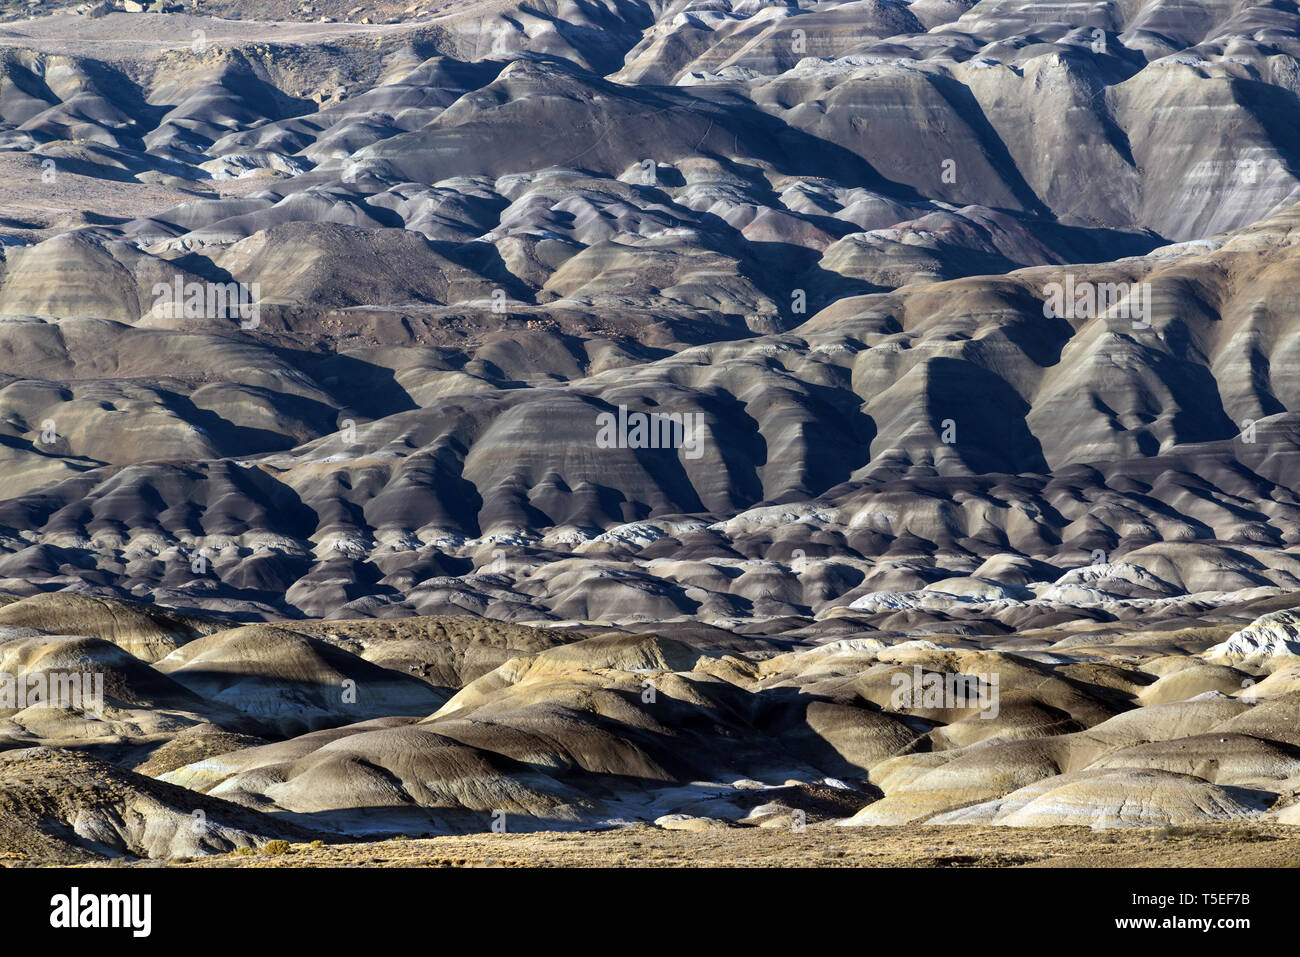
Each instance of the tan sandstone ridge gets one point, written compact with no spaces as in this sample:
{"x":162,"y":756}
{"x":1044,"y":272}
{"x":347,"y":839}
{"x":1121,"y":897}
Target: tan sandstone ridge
{"x":539,"y":731}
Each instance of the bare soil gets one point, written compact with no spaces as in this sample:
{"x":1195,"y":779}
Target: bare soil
{"x":818,"y":846}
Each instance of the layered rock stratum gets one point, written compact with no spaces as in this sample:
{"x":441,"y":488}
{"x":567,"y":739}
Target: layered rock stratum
{"x":326,"y":335}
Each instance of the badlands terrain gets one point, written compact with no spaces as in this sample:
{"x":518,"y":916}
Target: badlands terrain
{"x":365,"y":579}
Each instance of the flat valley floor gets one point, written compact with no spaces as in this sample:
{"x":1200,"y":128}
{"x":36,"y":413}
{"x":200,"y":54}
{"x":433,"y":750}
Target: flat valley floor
{"x":820,"y":845}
